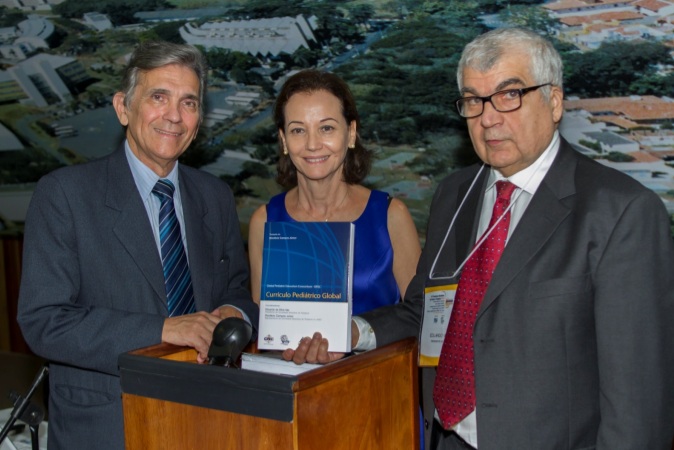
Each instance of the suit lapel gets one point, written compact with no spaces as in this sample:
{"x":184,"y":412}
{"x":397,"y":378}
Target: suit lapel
{"x":539,"y":222}
{"x":199,"y":240}
{"x":466,"y":223}
{"x":462,"y":233}
{"x":132,"y":227}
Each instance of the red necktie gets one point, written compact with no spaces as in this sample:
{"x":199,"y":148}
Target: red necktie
{"x":454,"y":389}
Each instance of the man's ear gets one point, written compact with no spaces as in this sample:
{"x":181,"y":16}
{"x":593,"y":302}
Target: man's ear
{"x":557,"y":103}
{"x":120,"y":108}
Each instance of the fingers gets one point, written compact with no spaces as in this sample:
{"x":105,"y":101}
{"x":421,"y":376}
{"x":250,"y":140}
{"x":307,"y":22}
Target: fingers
{"x":307,"y":351}
{"x":318,"y":350}
{"x":298,"y":355}
{"x":301,"y":352}
{"x":288,"y":354}
{"x":311,"y":350}
{"x":193,"y":330}
{"x":323,"y":356}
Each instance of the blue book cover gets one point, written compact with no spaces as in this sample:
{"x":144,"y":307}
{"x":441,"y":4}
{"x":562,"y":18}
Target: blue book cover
{"x":307,"y":275}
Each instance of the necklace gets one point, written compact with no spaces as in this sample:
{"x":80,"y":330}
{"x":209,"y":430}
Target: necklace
{"x":327,"y":213}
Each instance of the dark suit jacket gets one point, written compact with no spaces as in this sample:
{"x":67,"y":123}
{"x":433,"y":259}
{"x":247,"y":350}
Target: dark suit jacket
{"x":93,"y":288}
{"x":574,"y":338}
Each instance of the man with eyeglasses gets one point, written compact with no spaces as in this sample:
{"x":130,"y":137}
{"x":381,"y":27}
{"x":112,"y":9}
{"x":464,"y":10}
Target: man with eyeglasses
{"x":561,"y":273}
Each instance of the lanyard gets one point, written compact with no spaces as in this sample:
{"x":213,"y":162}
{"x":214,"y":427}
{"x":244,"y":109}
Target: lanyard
{"x":431,"y":276}
{"x":451,"y":225}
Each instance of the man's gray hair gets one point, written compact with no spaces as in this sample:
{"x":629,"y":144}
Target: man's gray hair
{"x":483,"y":52}
{"x":151,"y":55}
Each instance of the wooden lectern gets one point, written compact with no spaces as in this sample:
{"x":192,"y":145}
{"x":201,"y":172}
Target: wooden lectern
{"x":365,"y":401}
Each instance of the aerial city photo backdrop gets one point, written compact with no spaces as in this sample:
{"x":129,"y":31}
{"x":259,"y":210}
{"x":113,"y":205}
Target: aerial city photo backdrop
{"x":62,"y":59}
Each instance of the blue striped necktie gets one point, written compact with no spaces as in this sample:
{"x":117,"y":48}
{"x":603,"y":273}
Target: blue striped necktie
{"x":176,"y":270}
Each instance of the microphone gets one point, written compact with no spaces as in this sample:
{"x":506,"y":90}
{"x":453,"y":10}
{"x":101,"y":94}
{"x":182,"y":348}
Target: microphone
{"x":230,"y":337}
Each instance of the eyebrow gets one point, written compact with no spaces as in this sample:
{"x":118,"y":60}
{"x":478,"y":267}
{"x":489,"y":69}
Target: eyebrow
{"x":159,"y":91}
{"x":191,"y":97}
{"x":505,"y":84}
{"x":321,"y":121}
{"x":168,"y":92}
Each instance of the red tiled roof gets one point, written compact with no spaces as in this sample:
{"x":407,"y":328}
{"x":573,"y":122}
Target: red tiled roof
{"x":599,"y":27}
{"x":651,"y":5}
{"x":565,"y":4}
{"x":627,"y":32}
{"x":569,"y":4}
{"x":623,"y":123}
{"x":644,"y":157}
{"x":601,"y":17}
{"x":636,"y":108}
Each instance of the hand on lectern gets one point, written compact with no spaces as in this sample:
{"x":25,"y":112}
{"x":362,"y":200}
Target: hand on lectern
{"x":315,"y":349}
{"x":192,"y":330}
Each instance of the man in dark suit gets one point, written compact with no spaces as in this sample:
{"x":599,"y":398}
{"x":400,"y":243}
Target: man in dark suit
{"x":93,"y":283}
{"x":570,"y":342}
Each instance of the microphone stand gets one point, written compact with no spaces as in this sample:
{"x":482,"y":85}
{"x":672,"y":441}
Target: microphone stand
{"x":26,"y":411}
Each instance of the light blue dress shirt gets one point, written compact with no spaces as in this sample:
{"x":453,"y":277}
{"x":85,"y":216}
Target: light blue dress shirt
{"x":145,"y":180}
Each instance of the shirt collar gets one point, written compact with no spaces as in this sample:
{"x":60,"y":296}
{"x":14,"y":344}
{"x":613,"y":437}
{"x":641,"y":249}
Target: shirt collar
{"x":144,"y":177}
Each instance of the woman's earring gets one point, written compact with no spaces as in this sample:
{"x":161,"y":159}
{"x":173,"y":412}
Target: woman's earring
{"x":352,"y":146}
{"x":285,"y":150}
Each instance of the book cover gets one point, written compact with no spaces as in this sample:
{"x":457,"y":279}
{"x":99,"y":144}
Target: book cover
{"x":307,"y":276}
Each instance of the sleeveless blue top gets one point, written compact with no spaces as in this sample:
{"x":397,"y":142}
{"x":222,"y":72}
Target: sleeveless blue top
{"x":373,"y":282}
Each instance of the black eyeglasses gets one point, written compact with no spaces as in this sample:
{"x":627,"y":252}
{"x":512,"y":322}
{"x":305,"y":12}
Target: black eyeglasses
{"x":503,"y":101}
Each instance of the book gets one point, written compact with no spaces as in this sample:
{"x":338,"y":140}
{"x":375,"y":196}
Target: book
{"x":306,"y":284}
{"x":272,"y":362}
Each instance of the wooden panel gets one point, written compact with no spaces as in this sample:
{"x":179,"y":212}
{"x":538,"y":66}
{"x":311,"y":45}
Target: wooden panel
{"x":169,"y":351}
{"x":160,"y":425}
{"x":385,"y":419}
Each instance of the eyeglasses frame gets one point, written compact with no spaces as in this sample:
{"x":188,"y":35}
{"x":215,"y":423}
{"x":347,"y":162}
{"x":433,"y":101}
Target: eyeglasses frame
{"x":521,"y":91}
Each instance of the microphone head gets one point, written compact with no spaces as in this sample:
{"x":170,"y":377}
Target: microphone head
{"x":230,"y":337}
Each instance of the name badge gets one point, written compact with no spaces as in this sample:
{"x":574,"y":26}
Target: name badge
{"x":438,"y":303}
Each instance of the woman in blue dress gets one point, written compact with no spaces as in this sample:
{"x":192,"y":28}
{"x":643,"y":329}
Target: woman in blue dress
{"x":321,"y":165}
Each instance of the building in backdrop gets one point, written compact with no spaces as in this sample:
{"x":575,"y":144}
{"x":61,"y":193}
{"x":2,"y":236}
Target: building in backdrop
{"x":260,"y":37}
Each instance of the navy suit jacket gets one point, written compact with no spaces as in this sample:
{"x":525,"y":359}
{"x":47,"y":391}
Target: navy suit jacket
{"x":573,"y":339}
{"x":92,"y":284}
